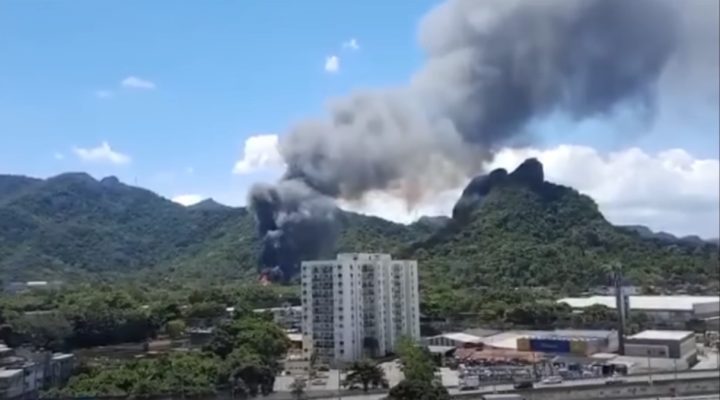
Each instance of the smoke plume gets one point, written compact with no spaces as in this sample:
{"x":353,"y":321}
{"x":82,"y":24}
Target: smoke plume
{"x":491,"y":68}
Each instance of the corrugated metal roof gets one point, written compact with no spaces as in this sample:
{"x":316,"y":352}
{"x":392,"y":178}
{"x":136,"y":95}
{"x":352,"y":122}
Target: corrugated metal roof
{"x":462,"y":337}
{"x":662,"y":335}
{"x":675,"y":303}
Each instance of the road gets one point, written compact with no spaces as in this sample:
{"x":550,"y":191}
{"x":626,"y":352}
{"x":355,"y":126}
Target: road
{"x":580,"y":382}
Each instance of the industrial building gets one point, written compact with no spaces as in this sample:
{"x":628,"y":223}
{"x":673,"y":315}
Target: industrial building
{"x":670,"y":310}
{"x":663,"y":344}
{"x":358,"y":305}
{"x":575,"y":342}
{"x":455,"y":339}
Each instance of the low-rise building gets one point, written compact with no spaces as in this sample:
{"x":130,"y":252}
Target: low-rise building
{"x":454,"y":339}
{"x":663,"y":344}
{"x":576,"y":342}
{"x":669,"y":310}
{"x":288,"y":317}
{"x":11,"y":383}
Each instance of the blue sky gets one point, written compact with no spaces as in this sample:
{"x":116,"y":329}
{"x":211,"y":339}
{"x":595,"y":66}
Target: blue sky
{"x":202,"y":77}
{"x":222,"y":71}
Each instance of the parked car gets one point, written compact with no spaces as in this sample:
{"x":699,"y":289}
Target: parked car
{"x":552,"y":380}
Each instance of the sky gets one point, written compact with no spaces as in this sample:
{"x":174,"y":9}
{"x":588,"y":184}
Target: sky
{"x":190,"y":99}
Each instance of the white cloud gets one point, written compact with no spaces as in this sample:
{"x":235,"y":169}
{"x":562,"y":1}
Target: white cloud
{"x":351,"y":44}
{"x":59,"y":156}
{"x":133,"y":82}
{"x":188,"y":199}
{"x":104,"y":94}
{"x":670,"y":191}
{"x":332,"y":64}
{"x":260,"y":153}
{"x":102,"y":153}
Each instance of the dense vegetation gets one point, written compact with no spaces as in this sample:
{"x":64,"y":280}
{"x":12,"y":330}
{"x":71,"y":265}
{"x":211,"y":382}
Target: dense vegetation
{"x":536,"y":237}
{"x":86,"y":316}
{"x":421,"y":381}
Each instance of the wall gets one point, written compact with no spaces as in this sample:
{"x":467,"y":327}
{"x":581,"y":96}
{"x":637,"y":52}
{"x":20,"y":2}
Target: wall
{"x":626,"y":391}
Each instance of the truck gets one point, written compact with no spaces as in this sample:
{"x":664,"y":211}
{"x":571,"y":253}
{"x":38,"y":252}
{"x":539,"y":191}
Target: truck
{"x":523,"y":383}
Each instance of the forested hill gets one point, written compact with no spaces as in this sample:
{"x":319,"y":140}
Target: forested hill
{"x":519,"y":230}
{"x":73,"y":227}
{"x":514,"y":229}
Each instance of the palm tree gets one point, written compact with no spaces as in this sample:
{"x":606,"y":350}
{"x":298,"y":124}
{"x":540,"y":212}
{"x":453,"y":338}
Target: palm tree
{"x":366,"y":373}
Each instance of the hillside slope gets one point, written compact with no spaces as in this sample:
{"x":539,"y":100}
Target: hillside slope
{"x":517,"y":229}
{"x":72,"y":226}
{"x":508,"y":229}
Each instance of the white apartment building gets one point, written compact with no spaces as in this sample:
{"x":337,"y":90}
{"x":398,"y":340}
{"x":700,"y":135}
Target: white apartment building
{"x":358,"y":305}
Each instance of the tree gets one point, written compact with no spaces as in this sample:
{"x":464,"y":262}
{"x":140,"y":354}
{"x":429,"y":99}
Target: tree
{"x":46,"y":330}
{"x":417,"y":390}
{"x":175,"y":328}
{"x":297,"y":388}
{"x":419,"y":369}
{"x":416,"y":362}
{"x":367,"y":374}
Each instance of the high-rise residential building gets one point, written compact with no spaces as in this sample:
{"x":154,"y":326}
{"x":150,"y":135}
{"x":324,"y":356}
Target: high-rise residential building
{"x":358,"y":305}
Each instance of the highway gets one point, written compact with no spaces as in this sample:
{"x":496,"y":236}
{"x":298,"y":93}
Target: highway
{"x":576,"y":383}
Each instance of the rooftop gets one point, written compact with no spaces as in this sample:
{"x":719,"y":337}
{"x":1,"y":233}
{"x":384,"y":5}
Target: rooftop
{"x":662,"y":335}
{"x":9,"y":373}
{"x":62,"y":356}
{"x":295,"y":337}
{"x":675,"y":303}
{"x":462,"y":337}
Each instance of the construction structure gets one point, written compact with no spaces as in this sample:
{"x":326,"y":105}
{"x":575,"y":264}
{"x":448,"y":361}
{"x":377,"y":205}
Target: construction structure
{"x":358,"y":305}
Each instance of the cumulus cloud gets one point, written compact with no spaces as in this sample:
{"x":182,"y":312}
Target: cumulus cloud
{"x":102,"y":154}
{"x":332,"y":64}
{"x":669,"y":191}
{"x":260,"y":153}
{"x":188,"y":199}
{"x":351,"y":44}
{"x":133,"y":82}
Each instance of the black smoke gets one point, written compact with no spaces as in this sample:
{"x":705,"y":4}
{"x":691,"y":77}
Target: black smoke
{"x":491,"y":68}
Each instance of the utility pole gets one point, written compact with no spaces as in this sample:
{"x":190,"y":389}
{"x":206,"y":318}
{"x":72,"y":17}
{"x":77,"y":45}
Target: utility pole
{"x":616,"y":276}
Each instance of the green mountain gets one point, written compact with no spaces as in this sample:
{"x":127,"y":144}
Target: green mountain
{"x":519,"y":230}
{"x":72,"y":227}
{"x":507,"y":229}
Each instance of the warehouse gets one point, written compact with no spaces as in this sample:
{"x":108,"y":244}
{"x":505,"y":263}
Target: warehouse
{"x":662,"y":309}
{"x":457,"y":339}
{"x":575,"y":342}
{"x":663,"y":344}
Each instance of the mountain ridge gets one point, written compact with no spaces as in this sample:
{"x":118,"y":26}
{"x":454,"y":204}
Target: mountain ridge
{"x":72,"y":225}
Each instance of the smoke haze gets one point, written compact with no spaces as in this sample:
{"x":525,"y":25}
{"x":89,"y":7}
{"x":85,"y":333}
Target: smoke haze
{"x":492,"y":67}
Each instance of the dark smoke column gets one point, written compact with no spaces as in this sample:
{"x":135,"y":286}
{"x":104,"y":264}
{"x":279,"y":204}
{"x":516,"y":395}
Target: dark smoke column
{"x":295,"y":224}
{"x":492,"y":67}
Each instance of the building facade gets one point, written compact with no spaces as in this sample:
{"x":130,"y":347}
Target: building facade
{"x":358,"y":305}
{"x":662,"y":344}
{"x":671,"y":311}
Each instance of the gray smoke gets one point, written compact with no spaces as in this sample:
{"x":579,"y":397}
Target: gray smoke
{"x":492,"y":67}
